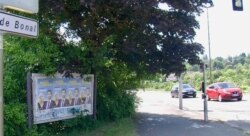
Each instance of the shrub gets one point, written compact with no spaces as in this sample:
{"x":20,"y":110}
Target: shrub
{"x":41,"y":56}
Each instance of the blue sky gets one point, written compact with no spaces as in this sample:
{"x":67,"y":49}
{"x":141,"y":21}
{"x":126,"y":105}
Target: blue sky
{"x":229,"y":30}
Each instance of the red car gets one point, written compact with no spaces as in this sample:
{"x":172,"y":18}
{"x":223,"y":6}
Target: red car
{"x":223,"y":91}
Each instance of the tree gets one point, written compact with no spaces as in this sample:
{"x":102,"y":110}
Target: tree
{"x":121,"y":41}
{"x":242,"y":58}
{"x":135,"y":32}
{"x":218,"y":63}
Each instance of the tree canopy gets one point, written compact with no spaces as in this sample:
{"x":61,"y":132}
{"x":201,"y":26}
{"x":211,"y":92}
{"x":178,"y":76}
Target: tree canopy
{"x":136,"y":32}
{"x":121,"y":41}
{"x":233,"y":69}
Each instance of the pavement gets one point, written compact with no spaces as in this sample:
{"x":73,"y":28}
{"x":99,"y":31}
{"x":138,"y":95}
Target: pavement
{"x":171,"y":125}
{"x":157,"y":116}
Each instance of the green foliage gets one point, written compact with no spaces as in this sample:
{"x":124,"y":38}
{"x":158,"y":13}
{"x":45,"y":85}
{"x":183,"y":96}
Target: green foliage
{"x":121,"y":42}
{"x":156,"y":82}
{"x":114,"y":105}
{"x":234,"y":69}
{"x":116,"y":98}
{"x":123,"y":127}
{"x":41,"y":56}
{"x":14,"y":119}
{"x":21,"y":56}
{"x":194,"y":79}
{"x":217,"y":64}
{"x":158,"y":85}
{"x":61,"y":128}
{"x":144,"y":37}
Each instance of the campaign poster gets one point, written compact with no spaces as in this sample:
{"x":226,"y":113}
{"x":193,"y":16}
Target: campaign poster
{"x":58,"y":98}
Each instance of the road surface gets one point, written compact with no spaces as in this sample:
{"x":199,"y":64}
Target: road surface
{"x":157,"y":106}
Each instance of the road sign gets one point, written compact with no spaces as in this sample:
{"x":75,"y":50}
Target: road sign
{"x":17,"y":24}
{"x":28,"y":6}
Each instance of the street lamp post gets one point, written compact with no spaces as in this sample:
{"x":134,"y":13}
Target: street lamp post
{"x":204,"y":95}
{"x":209,"y":5}
{"x":209,"y":48}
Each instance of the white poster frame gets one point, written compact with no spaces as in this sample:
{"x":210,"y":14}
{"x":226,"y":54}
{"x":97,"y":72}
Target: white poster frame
{"x":48,"y":88}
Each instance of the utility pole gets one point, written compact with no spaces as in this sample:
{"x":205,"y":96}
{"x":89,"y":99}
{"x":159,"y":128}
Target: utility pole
{"x":180,"y":92}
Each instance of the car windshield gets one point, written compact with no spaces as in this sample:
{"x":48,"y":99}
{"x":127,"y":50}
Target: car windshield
{"x":226,"y":85}
{"x":185,"y":86}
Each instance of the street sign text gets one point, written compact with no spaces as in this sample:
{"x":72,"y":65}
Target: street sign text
{"x":17,"y":24}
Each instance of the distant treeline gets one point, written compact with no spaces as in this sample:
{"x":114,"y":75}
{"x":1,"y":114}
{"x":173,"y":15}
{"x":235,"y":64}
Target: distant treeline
{"x":231,"y":69}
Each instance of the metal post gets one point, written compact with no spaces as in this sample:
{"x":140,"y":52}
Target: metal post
{"x":180,"y":92}
{"x":29,"y":99}
{"x":1,"y":85}
{"x":94,"y":96}
{"x":205,"y":95}
{"x":209,"y":49}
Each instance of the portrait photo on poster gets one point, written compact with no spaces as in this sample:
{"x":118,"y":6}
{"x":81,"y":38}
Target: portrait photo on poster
{"x":58,"y":98}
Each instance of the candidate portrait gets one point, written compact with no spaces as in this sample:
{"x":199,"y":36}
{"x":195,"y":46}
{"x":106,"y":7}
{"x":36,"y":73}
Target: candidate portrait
{"x":77,"y":100}
{"x":50,"y":103}
{"x":64,"y":100}
{"x":71,"y":99}
{"x":41,"y":103}
{"x":57,"y":100}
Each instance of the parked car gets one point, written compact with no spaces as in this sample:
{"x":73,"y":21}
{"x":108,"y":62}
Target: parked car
{"x":187,"y":91}
{"x":223,"y":91}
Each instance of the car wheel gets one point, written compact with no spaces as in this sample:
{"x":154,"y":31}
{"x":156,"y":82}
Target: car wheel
{"x":194,"y":96}
{"x":220,"y":98}
{"x":239,"y":99}
{"x":208,"y":98}
{"x":172,"y":95}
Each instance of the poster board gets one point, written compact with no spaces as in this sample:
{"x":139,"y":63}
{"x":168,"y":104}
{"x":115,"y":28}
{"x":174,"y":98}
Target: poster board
{"x":58,"y":98}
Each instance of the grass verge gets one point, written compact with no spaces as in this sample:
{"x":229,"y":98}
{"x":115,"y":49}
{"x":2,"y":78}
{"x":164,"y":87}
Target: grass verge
{"x":123,"y":127}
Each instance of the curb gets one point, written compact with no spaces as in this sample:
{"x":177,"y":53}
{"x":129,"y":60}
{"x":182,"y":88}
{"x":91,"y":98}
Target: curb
{"x":246,"y":132}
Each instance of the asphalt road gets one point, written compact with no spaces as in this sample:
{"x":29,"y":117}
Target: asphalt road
{"x":157,"y":108}
{"x":235,"y":112}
